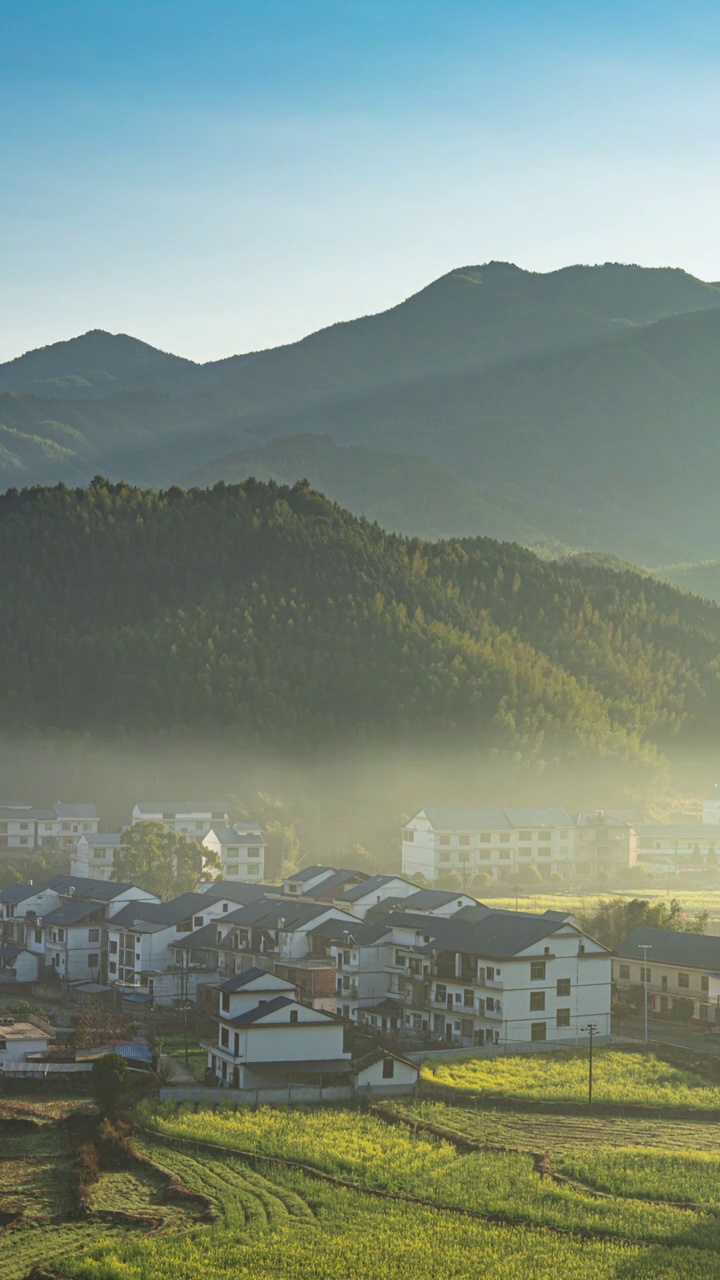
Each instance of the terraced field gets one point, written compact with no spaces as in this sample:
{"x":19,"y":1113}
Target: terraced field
{"x":528,"y":1131}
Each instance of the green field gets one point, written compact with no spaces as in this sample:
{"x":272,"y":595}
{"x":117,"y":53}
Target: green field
{"x":350,"y":1194}
{"x":619,"y":1078}
{"x":693,"y":900}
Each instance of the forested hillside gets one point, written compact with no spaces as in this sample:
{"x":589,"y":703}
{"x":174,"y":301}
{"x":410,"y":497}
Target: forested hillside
{"x":577,"y":408}
{"x":269,"y":614}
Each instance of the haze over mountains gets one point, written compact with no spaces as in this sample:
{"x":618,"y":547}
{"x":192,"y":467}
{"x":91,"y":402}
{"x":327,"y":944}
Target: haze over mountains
{"x":574,"y":409}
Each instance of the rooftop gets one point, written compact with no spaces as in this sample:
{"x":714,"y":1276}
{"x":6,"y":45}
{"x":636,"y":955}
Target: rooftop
{"x":496,"y":819}
{"x":694,"y":950}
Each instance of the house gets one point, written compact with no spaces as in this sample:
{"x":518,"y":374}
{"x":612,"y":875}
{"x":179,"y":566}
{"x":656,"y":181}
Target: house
{"x":674,"y":848}
{"x":683,"y":973}
{"x":605,"y":844}
{"x":276,"y":934}
{"x":488,"y":977}
{"x":95,"y":854}
{"x":266,"y":1038}
{"x":18,"y":966}
{"x":192,"y":818}
{"x":362,"y":897}
{"x":332,"y":886}
{"x":25,"y":827}
{"x":20,"y":1039}
{"x":432,"y":902}
{"x":240,"y":848}
{"x":383,"y":1074}
{"x":73,"y":940}
{"x":441,"y":842}
{"x":303,"y":882}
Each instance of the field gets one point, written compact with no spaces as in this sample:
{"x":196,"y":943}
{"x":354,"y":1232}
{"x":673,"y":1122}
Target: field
{"x":407,"y":1189}
{"x":693,"y":900}
{"x":618,"y":1078}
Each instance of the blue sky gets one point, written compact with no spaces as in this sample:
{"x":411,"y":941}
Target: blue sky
{"x":221,"y":176}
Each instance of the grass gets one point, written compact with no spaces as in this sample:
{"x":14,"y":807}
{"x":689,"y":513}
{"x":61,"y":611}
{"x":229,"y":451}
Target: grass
{"x":619,"y":1078}
{"x":693,"y":900}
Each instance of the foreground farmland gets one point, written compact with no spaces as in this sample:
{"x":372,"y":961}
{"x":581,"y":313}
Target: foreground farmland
{"x":407,"y":1190}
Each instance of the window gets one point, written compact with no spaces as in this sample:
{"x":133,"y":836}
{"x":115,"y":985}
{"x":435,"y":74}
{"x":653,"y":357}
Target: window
{"x":293,"y":1015}
{"x":226,"y":906}
{"x":704,"y":983}
{"x":624,"y":972}
{"x":224,"y":1037}
{"x":504,"y":837}
{"x":544,"y":837}
{"x":408,"y":836}
{"x":463,"y":840}
{"x":112,"y":967}
{"x":444,"y":840}
{"x":468,"y":999}
{"x":198,"y":922}
{"x":399,"y":960}
{"x":504,"y":854}
{"x":224,"y":1002}
{"x":490,"y":973}
{"x":253,"y":853}
{"x":684,"y":980}
{"x":645,"y":974}
{"x":38,"y":935}
{"x":563,"y":986}
{"x":563,"y":1017}
{"x":537,"y":1001}
{"x":546,"y":951}
{"x":526,"y":835}
{"x":61,"y":935}
{"x":93,"y":960}
{"x":538,"y":1031}
{"x":440,"y":992}
{"x":388,"y":1068}
{"x":537,"y":970}
{"x":93,"y":935}
{"x":485,"y":837}
{"x":183,"y":926}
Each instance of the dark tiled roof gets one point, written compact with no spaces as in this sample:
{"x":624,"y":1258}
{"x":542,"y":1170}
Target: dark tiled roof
{"x":70,"y":913}
{"x":309,"y":873}
{"x":331,"y":884}
{"x":251,"y":975}
{"x":368,"y":886}
{"x":255,"y":1015}
{"x":695,"y":950}
{"x":234,"y":891}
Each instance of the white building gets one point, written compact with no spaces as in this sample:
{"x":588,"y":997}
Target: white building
{"x":441,"y":842}
{"x":267,"y":1038}
{"x":363,"y":897}
{"x":18,"y":966}
{"x":192,"y":818}
{"x":682,"y":969}
{"x":25,"y":827}
{"x":94,"y":855}
{"x":18,"y":1039}
{"x":673,"y":848}
{"x":241,"y":850}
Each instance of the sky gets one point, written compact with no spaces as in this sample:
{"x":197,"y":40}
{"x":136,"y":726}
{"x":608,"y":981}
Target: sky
{"x":224,"y":176}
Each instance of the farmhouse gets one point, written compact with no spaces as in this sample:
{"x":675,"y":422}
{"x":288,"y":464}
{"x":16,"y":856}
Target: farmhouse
{"x":682,"y":977}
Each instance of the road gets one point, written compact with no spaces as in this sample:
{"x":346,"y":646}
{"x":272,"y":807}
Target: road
{"x":670,"y":1033}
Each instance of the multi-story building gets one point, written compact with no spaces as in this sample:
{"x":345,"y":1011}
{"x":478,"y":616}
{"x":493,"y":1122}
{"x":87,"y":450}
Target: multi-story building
{"x":94,"y":855}
{"x":440,"y":842}
{"x":63,"y":921}
{"x":240,"y":848}
{"x":678,"y":973}
{"x":267,"y":1037}
{"x":24,"y":827}
{"x":604,"y":845}
{"x":192,"y":818}
{"x":673,"y":848}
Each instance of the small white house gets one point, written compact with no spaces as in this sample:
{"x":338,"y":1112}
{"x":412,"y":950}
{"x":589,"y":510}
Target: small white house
{"x":370,"y":893}
{"x":95,"y":855}
{"x":266,"y":1037}
{"x":17,"y":965}
{"x":241,"y":850}
{"x":383,"y":1074}
{"x":18,"y":1039}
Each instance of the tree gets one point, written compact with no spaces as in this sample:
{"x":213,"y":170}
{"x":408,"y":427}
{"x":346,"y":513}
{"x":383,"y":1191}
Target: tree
{"x":162,"y":861}
{"x":109,"y":1080}
{"x":97,"y":1023}
{"x":529,"y":875}
{"x":613,"y":918}
{"x":450,"y":883}
{"x":481,"y":881}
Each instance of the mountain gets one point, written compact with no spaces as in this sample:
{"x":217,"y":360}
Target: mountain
{"x":268,"y":614}
{"x":581,"y":405}
{"x":96,"y":364}
{"x":403,"y":493}
{"x":703,"y":579}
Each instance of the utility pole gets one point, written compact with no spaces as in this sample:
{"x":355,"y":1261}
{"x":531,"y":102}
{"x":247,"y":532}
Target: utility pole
{"x":184,"y":990}
{"x":591,"y":1029}
{"x":645,"y":947}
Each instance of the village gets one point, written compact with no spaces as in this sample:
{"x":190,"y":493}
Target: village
{"x":332,"y":982}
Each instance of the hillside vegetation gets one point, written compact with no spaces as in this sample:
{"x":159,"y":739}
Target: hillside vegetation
{"x":573,"y":409}
{"x":268,"y":613}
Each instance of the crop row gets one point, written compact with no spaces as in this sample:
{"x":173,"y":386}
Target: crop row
{"x":372,"y":1154}
{"x":557,"y":1133}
